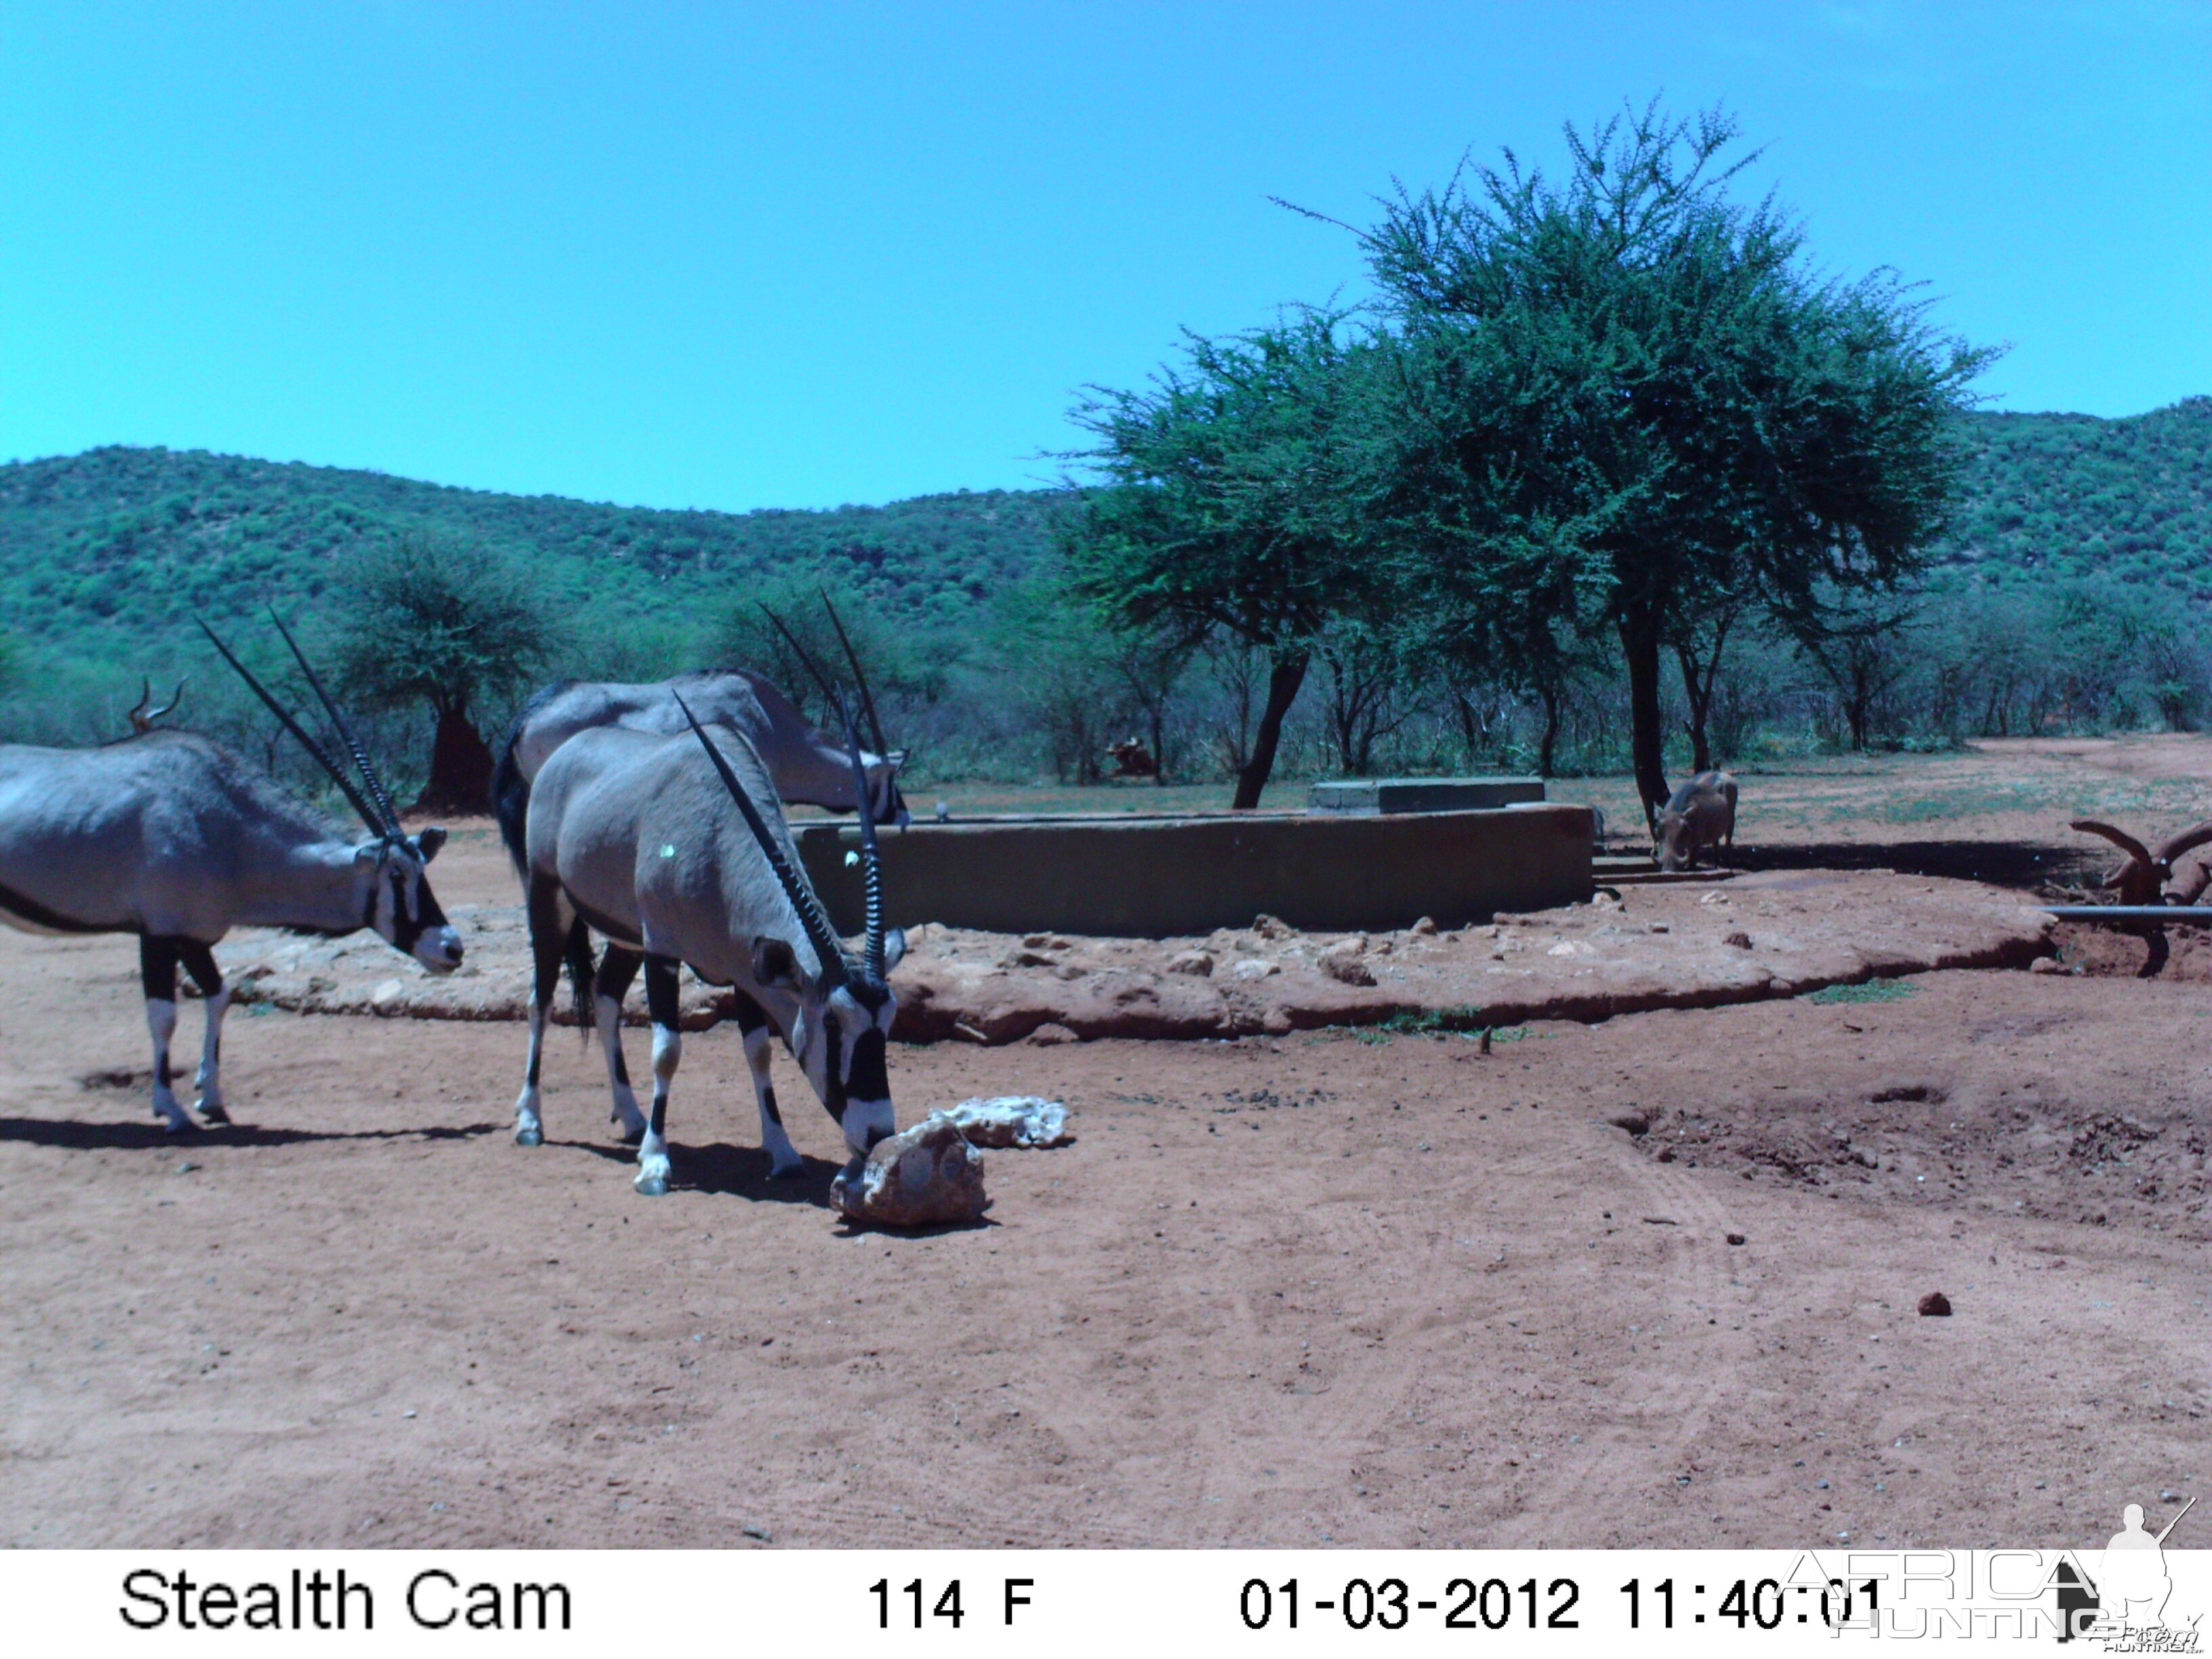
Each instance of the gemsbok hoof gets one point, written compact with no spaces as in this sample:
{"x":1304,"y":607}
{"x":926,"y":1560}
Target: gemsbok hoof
{"x":631,"y":1133}
{"x":213,"y":1113}
{"x":651,"y":1184}
{"x":529,"y":1135}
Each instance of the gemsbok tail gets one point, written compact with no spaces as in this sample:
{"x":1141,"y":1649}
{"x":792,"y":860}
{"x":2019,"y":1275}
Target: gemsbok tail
{"x":510,"y":803}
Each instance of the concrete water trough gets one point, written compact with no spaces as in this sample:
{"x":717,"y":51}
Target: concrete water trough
{"x":1366,"y":797}
{"x":1173,"y":877}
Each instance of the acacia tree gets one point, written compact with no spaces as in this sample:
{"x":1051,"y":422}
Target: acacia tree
{"x":428,"y":621}
{"x":1496,"y":579}
{"x":1232,"y":500}
{"x":1632,"y":361}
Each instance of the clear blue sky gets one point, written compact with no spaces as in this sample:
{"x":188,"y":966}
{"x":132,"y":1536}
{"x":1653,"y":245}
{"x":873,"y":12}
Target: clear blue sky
{"x":798,"y":255}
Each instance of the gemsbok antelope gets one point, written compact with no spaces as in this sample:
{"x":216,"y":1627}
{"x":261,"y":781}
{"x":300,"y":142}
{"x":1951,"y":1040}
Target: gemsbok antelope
{"x":178,"y":839}
{"x":632,"y":835}
{"x":803,"y":765}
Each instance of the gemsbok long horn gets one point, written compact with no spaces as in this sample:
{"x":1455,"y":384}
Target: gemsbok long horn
{"x":807,"y":658}
{"x":368,"y":813}
{"x":872,"y":867}
{"x":830,"y":689}
{"x":345,"y":731}
{"x":819,"y":933}
{"x":860,"y":680}
{"x":137,"y":714}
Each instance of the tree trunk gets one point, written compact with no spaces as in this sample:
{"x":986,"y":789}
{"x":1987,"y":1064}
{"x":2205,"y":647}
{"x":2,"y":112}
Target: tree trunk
{"x":1859,"y":706}
{"x":1235,"y":754}
{"x":1284,"y":679}
{"x":1701,"y":752}
{"x":1639,"y":642}
{"x":1548,"y":744}
{"x":1700,"y":700}
{"x":1471,"y":732}
{"x":1698,"y":686}
{"x":460,"y":768}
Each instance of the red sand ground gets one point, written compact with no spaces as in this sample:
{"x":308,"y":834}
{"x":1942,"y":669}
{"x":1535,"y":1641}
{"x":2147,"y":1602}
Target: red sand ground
{"x":1314,"y":1288}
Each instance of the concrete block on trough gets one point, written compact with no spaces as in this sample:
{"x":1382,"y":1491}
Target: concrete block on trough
{"x":1370,"y":796}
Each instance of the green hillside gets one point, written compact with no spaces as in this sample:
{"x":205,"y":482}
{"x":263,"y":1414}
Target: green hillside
{"x":105,"y":556}
{"x":2062,"y":496}
{"x":101,"y":552}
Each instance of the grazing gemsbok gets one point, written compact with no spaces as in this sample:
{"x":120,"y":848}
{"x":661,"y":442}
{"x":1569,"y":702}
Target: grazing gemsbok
{"x":803,"y":765}
{"x":631,"y":834}
{"x":178,"y":839}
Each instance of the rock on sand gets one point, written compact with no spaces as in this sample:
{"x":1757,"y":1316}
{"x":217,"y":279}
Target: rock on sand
{"x":925,"y":1176}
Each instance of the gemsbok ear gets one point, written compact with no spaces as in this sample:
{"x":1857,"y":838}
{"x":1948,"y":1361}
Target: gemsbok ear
{"x":368,"y":852}
{"x":775,"y":965}
{"x":894,"y":948}
{"x":428,"y":841}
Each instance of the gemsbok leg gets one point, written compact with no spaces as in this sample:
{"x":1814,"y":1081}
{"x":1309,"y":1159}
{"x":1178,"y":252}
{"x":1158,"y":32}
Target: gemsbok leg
{"x":549,"y":932}
{"x":618,"y":968}
{"x":199,"y":963}
{"x":157,"y":973}
{"x":663,"y":1001}
{"x":783,"y":1157}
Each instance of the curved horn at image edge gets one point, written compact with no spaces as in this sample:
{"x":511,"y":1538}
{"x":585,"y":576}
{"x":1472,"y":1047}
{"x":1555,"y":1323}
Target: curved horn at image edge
{"x":2188,"y":841}
{"x":2119,"y":838}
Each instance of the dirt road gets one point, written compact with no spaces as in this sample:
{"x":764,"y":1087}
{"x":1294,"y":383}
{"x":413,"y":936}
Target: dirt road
{"x":1311,"y":1289}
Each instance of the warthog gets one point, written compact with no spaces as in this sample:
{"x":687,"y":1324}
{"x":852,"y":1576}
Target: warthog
{"x":1700,"y":816}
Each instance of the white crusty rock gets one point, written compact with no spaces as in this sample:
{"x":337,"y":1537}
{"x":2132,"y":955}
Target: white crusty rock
{"x":925,"y":1176}
{"x":1011,"y":1120}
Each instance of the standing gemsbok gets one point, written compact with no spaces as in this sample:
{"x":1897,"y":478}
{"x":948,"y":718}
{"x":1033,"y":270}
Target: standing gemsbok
{"x":178,"y":839}
{"x":632,"y":835}
{"x":803,"y":765}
